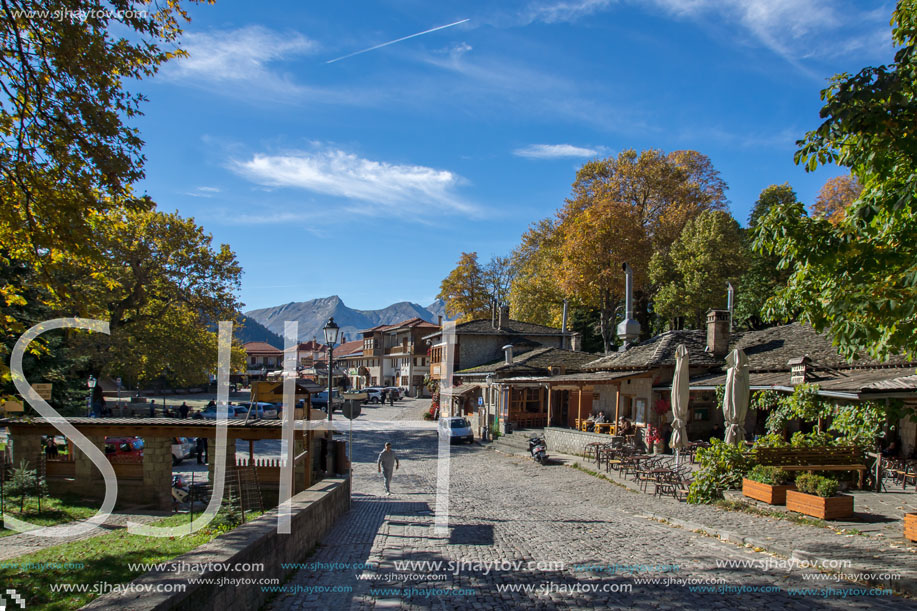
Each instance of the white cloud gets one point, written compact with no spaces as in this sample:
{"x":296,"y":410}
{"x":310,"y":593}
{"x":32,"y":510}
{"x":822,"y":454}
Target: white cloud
{"x":793,"y":29}
{"x":568,"y":10}
{"x":554,"y":151}
{"x":372,"y":187}
{"x":203,"y":192}
{"x":242,"y":59}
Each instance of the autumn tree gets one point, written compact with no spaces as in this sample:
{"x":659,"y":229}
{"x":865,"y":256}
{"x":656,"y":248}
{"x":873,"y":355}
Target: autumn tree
{"x":835,"y":197}
{"x":535,"y":295}
{"x":624,"y":209}
{"x":498,"y":278}
{"x":692,"y":276}
{"x":67,"y":155}
{"x":763,"y":277}
{"x":464,"y":290}
{"x":161,"y":285}
{"x":857,"y":279}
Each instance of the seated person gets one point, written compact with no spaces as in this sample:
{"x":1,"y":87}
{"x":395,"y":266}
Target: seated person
{"x":600,"y":417}
{"x":628,"y":428}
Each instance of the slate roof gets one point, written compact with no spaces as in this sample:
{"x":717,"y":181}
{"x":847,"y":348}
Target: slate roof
{"x":534,"y":361}
{"x":767,"y":350}
{"x":510,"y":328}
{"x":659,"y":351}
{"x":857,"y":381}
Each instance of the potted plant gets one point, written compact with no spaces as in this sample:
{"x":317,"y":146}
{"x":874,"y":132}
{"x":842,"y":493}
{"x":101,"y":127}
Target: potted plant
{"x":654,"y":439}
{"x":817,"y":496}
{"x":910,"y":526}
{"x":767,"y":484}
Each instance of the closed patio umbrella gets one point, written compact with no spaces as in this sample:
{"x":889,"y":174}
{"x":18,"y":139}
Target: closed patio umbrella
{"x":735,"y":402}
{"x":680,"y":396}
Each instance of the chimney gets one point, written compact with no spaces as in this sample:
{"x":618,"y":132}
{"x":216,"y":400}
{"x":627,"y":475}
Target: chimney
{"x":718,"y":332}
{"x":508,"y":353}
{"x":799,"y":370}
{"x":439,"y":320}
{"x":576,"y":342}
{"x":629,"y":329}
{"x":730,"y":301}
{"x":493,"y":312}
{"x":504,"y":315}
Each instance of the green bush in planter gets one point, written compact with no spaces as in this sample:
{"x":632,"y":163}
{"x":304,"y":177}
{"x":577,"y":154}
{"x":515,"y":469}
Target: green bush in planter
{"x":723,"y":466}
{"x":816,"y":484}
{"x":772,"y":476}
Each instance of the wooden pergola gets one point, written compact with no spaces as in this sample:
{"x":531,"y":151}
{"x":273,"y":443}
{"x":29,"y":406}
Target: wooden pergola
{"x":148,"y":480}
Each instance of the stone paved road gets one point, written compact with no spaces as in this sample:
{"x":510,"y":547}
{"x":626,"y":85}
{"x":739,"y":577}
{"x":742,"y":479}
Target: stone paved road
{"x":574,"y":549}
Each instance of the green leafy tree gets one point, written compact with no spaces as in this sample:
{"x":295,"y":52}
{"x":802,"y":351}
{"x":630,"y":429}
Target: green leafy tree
{"x":692,"y":275}
{"x":763,"y":277}
{"x":857,"y":279}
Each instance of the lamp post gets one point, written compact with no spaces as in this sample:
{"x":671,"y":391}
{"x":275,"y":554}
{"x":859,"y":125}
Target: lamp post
{"x":331,"y":337}
{"x":91,"y":384}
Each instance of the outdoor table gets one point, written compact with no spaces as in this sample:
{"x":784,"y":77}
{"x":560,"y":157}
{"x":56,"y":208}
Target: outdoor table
{"x":600,"y":426}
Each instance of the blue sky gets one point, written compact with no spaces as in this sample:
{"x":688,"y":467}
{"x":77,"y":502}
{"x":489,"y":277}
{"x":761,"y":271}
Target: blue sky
{"x":367,"y":177}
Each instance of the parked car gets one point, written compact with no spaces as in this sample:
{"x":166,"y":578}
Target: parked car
{"x":210,"y":413}
{"x":123,"y":446}
{"x":182,"y":448}
{"x":373,"y":394}
{"x":398,"y":392}
{"x":320,"y":400}
{"x":265,"y":411}
{"x":457,"y":429}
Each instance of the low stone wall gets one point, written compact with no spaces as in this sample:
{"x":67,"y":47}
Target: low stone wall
{"x":570,"y":441}
{"x":314,"y":512}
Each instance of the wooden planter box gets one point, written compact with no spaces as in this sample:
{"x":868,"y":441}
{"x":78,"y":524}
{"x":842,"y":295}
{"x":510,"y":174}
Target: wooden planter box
{"x":772,"y":495}
{"x":910,"y":526}
{"x":832,"y":508}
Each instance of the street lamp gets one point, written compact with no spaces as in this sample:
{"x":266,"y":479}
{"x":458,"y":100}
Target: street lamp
{"x":331,"y":337}
{"x":91,"y":384}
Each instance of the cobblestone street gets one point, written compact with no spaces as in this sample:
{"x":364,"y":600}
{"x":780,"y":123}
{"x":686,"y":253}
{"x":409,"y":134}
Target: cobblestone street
{"x":526,"y":536}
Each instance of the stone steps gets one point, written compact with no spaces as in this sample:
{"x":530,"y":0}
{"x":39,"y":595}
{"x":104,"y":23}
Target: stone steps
{"x":517,"y":441}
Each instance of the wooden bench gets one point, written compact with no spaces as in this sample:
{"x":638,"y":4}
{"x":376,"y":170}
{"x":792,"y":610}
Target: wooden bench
{"x":841,"y":458}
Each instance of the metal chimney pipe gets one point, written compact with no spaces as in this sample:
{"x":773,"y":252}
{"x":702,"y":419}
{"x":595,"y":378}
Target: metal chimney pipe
{"x":629,"y":329}
{"x":563,"y":325}
{"x":508,"y":353}
{"x":730,"y":298}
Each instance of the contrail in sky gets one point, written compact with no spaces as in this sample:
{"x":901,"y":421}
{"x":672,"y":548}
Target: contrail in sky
{"x":391,"y":42}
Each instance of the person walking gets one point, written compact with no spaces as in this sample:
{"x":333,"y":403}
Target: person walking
{"x":391,"y":398}
{"x":384,"y":396}
{"x":387,"y":465}
{"x":183,"y":410}
{"x":201,"y":449}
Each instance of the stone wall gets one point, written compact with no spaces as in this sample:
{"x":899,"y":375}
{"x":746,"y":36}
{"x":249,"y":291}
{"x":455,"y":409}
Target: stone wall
{"x":314,"y":512}
{"x":570,"y":441}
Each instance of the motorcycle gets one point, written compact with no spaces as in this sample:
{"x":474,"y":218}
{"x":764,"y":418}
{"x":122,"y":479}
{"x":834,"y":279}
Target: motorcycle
{"x":539,"y":450}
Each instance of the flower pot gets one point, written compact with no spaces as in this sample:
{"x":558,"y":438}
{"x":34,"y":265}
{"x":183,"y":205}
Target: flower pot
{"x":910,"y":526}
{"x":658,"y":447}
{"x":831,"y":508}
{"x":766,"y":493}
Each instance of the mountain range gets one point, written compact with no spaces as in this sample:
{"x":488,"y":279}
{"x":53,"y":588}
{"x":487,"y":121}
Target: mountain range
{"x":312,"y":316}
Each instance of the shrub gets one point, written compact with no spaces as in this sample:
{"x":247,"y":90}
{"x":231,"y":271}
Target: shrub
{"x":772,"y":476}
{"x":810,"y":483}
{"x":723,"y":466}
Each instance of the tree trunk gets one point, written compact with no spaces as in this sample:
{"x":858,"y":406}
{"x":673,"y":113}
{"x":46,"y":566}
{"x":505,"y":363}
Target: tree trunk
{"x":606,"y":320}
